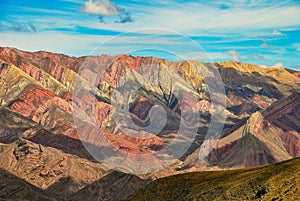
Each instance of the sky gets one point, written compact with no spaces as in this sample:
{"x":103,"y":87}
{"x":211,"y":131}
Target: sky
{"x":263,"y":32}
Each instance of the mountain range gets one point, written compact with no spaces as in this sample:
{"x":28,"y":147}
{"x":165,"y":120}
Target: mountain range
{"x":53,"y":107}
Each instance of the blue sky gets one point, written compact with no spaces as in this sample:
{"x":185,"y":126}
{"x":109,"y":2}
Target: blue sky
{"x":265,"y":33}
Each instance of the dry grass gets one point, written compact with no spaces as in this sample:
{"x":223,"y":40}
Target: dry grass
{"x":274,"y":182}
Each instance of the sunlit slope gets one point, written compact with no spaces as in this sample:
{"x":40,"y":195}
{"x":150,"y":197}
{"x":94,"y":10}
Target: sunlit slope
{"x":274,"y":182}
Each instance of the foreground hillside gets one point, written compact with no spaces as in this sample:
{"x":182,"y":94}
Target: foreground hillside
{"x":273,"y":182}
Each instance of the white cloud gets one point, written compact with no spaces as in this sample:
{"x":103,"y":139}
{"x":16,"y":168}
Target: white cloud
{"x":277,"y":33}
{"x":235,"y":56}
{"x":278,"y":65}
{"x":101,"y":7}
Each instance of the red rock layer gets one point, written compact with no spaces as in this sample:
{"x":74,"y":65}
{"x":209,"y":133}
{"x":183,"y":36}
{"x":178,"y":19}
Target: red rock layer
{"x":30,"y":99}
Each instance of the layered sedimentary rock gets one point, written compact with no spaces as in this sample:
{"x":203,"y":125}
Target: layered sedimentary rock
{"x":108,"y":102}
{"x":51,"y":88}
{"x":262,"y":138}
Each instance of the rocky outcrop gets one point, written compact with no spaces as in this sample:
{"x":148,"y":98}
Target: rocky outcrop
{"x":46,"y":167}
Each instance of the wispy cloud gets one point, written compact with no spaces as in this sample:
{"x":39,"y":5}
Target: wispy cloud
{"x":256,"y":56}
{"x":235,"y":19}
{"x":266,"y":45}
{"x":17,"y":27}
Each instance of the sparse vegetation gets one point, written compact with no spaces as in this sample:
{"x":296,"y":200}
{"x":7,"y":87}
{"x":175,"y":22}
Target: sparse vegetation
{"x":274,"y":182}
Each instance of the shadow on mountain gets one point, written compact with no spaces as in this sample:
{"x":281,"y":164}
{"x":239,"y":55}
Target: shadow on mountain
{"x":13,"y":125}
{"x":68,"y":145}
{"x":112,"y":187}
{"x":249,"y":84}
{"x":14,"y":188}
{"x":252,"y":152}
{"x":285,"y":113}
{"x":63,"y":189}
